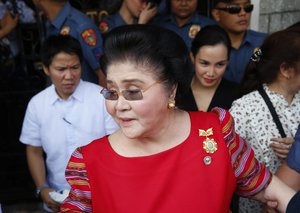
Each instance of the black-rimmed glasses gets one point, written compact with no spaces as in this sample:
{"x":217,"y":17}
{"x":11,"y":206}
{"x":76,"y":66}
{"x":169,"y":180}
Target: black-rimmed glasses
{"x":128,"y":94}
{"x":235,"y":9}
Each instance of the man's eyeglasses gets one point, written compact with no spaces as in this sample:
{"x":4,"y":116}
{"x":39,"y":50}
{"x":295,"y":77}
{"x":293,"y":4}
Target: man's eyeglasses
{"x":128,"y":94}
{"x":235,"y":9}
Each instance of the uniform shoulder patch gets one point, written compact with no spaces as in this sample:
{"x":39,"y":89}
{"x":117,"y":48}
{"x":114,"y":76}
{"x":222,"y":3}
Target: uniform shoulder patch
{"x":89,"y":37}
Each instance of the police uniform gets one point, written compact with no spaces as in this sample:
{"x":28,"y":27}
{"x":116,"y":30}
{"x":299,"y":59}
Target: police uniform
{"x":239,"y":58}
{"x":187,"y":31}
{"x":112,"y":21}
{"x":70,"y":21}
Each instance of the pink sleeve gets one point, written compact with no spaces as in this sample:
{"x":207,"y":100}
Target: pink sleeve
{"x":252,"y":176}
{"x":79,"y":199}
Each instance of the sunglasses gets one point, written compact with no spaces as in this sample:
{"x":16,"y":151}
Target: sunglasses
{"x":235,"y":9}
{"x":128,"y":94}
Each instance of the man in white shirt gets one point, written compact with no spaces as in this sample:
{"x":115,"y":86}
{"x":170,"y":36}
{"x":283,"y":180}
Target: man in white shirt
{"x":68,"y":114}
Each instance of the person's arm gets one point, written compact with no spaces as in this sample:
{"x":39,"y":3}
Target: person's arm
{"x":8,"y":23}
{"x":36,"y":164}
{"x":278,"y":195}
{"x":252,"y":176}
{"x":289,"y":176}
{"x":79,"y":199}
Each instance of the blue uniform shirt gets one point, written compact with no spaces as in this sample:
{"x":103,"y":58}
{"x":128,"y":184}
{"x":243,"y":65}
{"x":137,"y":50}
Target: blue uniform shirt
{"x":188,"y":31}
{"x":239,"y":58}
{"x":293,"y":159}
{"x":112,"y":21}
{"x":70,"y":21}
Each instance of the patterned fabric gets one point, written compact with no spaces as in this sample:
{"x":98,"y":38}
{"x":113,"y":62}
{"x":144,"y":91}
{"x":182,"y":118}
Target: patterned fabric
{"x":246,"y":168}
{"x":255,"y":124}
{"x":251,"y":176}
{"x":80,"y":195}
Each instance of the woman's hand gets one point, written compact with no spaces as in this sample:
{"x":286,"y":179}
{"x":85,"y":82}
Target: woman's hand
{"x":281,"y":146}
{"x":148,"y":13}
{"x":51,"y":204}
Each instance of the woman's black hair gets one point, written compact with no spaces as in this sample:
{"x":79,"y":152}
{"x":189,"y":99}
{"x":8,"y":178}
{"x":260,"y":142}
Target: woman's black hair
{"x":211,"y":35}
{"x":159,"y":49}
{"x":278,"y":48}
{"x":56,"y":44}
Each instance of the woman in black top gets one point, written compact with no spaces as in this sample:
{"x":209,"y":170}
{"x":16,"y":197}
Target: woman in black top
{"x":210,"y":54}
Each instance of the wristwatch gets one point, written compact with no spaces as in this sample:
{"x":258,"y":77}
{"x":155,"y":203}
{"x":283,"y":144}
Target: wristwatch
{"x":40,"y":188}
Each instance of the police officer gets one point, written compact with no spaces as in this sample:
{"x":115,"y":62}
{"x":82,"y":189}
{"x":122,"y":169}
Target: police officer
{"x":234,"y":16}
{"x":66,"y":20}
{"x":183,"y":18}
{"x":130,"y":12}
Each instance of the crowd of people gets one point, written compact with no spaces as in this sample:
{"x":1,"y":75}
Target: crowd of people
{"x":162,"y":109}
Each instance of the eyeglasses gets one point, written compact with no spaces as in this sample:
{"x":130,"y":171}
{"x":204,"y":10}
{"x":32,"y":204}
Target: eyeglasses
{"x":128,"y":94}
{"x":235,"y":9}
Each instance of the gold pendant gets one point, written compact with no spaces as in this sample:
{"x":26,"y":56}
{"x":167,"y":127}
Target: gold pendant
{"x":210,"y":145}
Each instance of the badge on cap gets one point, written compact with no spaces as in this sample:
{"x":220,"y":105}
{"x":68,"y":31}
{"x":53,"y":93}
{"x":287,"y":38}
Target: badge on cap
{"x":89,"y":37}
{"x":65,"y":30}
{"x":103,"y":27}
{"x":194,"y":29}
{"x":209,"y":144}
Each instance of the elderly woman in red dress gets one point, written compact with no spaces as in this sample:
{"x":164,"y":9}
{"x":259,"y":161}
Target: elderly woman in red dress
{"x":162,"y":159}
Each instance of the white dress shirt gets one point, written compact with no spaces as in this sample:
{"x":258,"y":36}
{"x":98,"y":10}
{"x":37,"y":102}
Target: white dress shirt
{"x":60,"y":126}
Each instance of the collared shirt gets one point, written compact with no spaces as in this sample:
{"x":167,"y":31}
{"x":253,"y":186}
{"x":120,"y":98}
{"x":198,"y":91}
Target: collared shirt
{"x":60,"y":126}
{"x":76,"y":24}
{"x":255,"y":124}
{"x":187,"y":31}
{"x":110,"y":22}
{"x":240,"y":57}
{"x":293,"y":159}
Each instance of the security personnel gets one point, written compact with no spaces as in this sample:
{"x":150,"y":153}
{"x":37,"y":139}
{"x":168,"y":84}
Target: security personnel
{"x":183,"y":18}
{"x":66,"y":20}
{"x":234,"y":16}
{"x":112,"y":21}
{"x":130,"y":12}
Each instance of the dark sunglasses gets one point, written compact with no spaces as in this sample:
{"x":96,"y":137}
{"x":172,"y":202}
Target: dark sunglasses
{"x":128,"y":94}
{"x":235,"y":9}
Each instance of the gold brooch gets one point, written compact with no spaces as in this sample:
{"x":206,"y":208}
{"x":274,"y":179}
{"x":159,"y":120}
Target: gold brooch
{"x":209,"y":144}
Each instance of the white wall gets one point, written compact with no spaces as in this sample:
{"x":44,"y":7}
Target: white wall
{"x":254,"y":25}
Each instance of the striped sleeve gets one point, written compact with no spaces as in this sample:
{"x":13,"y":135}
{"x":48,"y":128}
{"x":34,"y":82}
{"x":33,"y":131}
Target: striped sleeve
{"x":252,"y":176}
{"x":79,"y":199}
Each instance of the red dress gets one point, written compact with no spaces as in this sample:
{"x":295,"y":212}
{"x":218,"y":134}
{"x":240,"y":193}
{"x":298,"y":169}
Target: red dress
{"x":183,"y":179}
